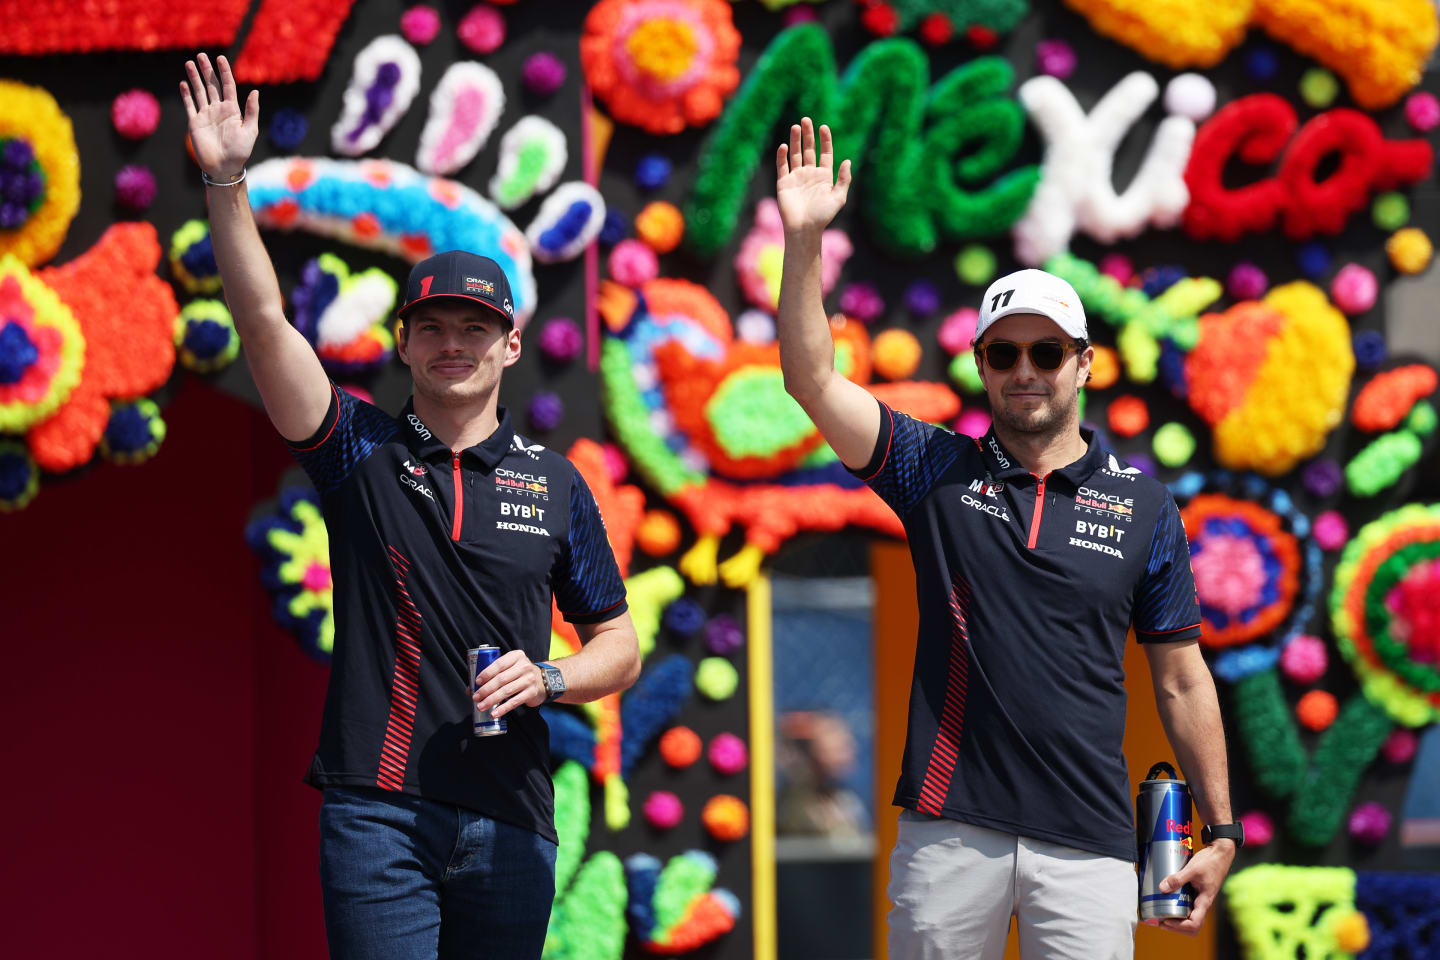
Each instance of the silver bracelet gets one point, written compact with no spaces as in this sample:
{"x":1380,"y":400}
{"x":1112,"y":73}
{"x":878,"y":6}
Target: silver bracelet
{"x":222,"y":183}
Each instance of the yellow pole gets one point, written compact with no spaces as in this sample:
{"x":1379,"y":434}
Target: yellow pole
{"x":762,"y":768}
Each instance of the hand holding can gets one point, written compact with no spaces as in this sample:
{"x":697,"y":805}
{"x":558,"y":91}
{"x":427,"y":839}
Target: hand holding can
{"x":1164,"y":843}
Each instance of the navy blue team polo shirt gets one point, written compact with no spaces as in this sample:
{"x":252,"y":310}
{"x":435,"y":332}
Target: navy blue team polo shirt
{"x":1027,"y":587}
{"x":432,"y":553}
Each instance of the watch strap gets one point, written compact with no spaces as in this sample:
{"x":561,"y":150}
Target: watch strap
{"x":1223,"y":831}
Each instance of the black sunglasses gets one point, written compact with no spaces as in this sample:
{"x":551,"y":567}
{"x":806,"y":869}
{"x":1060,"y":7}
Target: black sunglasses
{"x":1044,"y":354}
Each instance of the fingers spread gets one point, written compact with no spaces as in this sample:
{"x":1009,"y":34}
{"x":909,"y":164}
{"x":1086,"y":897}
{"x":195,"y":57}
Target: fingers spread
{"x":185,"y":99}
{"x":227,"y":79}
{"x":212,"y":86}
{"x":795,"y":155}
{"x":252,"y":110}
{"x":197,"y":86}
{"x":842,"y":181}
{"x":808,"y":140}
{"x":827,"y":146}
{"x":782,"y":161}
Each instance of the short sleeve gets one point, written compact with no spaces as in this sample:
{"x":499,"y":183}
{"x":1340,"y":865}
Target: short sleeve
{"x":910,"y":457}
{"x":350,"y":432}
{"x":1166,"y":607}
{"x":587,"y":583}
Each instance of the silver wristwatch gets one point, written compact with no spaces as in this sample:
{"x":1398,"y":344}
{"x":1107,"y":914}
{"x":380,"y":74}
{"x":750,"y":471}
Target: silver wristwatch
{"x":554,"y":680}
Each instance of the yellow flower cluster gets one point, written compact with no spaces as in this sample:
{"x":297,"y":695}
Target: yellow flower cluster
{"x":1177,"y":33}
{"x":31,"y":113}
{"x":1380,"y":47}
{"x":1298,"y":395}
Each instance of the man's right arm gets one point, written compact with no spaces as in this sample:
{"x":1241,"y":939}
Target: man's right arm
{"x":293,"y":385}
{"x":846,"y":414}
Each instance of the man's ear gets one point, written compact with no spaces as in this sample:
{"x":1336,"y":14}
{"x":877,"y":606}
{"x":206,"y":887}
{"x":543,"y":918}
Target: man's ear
{"x":512,"y":347}
{"x":402,"y":341}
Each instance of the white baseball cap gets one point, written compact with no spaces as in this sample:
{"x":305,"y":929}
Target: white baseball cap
{"x":1033,"y":291}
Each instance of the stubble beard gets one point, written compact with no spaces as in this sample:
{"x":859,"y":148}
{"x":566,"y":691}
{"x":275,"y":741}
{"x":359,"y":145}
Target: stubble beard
{"x":1051,"y":419}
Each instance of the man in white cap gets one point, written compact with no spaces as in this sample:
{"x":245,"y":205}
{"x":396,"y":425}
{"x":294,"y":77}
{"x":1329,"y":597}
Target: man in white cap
{"x":1036,"y":552}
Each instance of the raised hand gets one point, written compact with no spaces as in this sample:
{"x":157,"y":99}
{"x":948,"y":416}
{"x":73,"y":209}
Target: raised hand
{"x":221,"y":136}
{"x":806,"y":187}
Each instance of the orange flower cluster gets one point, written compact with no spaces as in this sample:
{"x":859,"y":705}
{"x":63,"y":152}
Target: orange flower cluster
{"x":662,"y":65}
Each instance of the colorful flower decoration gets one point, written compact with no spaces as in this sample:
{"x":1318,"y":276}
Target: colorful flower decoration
{"x":19,"y":476}
{"x":294,"y":548}
{"x":464,"y":109}
{"x":39,"y":173}
{"x":1389,"y":396}
{"x":1142,"y":321}
{"x":1257,"y":129}
{"x":346,"y":317}
{"x":288,"y":40}
{"x":126,"y":315}
{"x":192,"y":258}
{"x":1076,"y":191}
{"x":930,"y":157}
{"x":205,"y":337}
{"x":762,"y":252}
{"x":1271,"y":377}
{"x":1258,"y":569}
{"x":1385,"y":611}
{"x":385,"y":80}
{"x":674,"y":910}
{"x":392,"y":207}
{"x":588,"y":917}
{"x":532,"y":157}
{"x":42,"y":350}
{"x":705,"y":419}
{"x":1246,"y":568}
{"x":661,"y":65}
{"x":568,"y":221}
{"x":38,"y":27}
{"x":1378,"y":46}
{"x":134,"y":433}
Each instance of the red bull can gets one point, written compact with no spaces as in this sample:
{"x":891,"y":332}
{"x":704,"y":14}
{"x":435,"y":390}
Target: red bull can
{"x":484,"y":725}
{"x":1164,"y":843}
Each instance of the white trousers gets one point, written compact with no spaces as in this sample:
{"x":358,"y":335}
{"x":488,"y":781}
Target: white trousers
{"x":954,"y":887}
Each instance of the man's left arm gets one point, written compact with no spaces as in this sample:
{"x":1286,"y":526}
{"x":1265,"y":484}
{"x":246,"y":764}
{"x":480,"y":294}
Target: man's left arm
{"x":1190,"y":712}
{"x":1167,"y":623}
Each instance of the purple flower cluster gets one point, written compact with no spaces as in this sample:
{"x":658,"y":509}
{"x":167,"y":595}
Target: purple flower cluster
{"x":22,"y":182}
{"x":378,"y":98}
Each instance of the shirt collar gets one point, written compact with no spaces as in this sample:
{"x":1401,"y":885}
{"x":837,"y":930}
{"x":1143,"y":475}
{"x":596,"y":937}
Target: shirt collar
{"x":1004,"y":465}
{"x":423,"y":443}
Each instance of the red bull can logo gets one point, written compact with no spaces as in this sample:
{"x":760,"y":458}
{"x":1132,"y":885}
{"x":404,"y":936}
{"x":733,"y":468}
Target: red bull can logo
{"x":1164,"y":843}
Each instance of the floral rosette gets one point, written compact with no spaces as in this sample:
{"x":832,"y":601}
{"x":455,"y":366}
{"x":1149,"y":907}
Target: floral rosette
{"x":1385,"y":612}
{"x":1257,"y":567}
{"x":134,"y":433}
{"x":294,"y":546}
{"x":42,"y":350}
{"x":661,"y":65}
{"x":39,"y":173}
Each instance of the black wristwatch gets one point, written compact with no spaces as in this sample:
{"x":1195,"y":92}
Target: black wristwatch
{"x":1223,"y":831}
{"x":554,"y":680}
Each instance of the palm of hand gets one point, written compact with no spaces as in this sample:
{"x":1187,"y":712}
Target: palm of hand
{"x":808,"y":198}
{"x":220,"y":139}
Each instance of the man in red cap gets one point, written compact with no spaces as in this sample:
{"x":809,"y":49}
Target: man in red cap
{"x":448,"y":531}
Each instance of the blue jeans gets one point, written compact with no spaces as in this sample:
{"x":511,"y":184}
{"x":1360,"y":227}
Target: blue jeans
{"x":405,"y":878}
